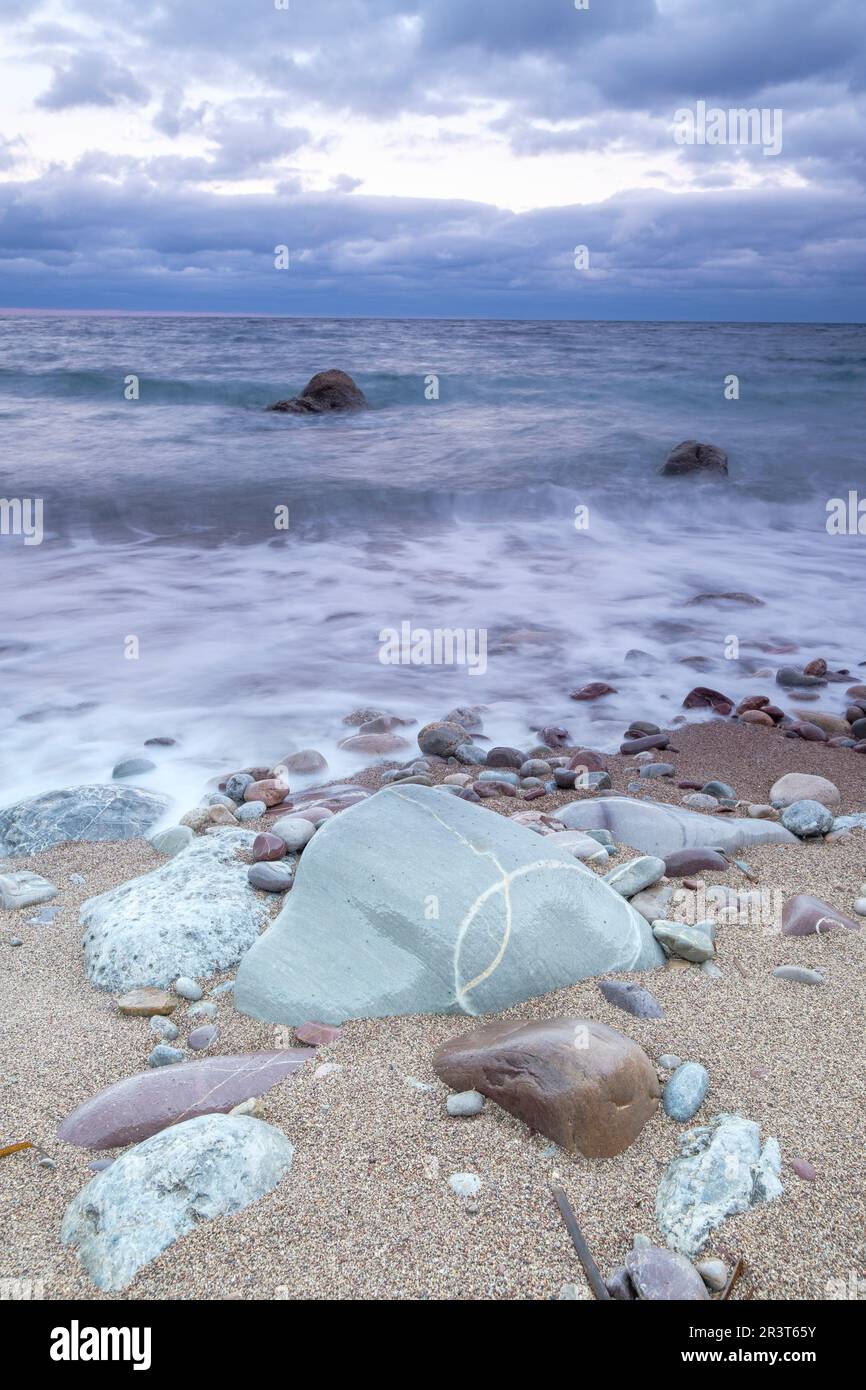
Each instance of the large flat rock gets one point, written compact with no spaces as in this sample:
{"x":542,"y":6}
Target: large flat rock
{"x":655,"y":828}
{"x":166,"y":1186}
{"x":194,"y":915}
{"x":95,"y":812}
{"x":414,"y":902}
{"x":139,"y":1106}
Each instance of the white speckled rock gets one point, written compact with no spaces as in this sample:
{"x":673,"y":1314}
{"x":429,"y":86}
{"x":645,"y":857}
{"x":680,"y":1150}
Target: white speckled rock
{"x":721,"y":1170}
{"x":194,"y":915}
{"x":654,"y":828}
{"x":487,"y":915}
{"x":94,"y":812}
{"x":166,"y":1186}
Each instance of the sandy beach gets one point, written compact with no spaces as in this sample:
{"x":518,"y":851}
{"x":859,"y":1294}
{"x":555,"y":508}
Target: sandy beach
{"x":366,"y":1211}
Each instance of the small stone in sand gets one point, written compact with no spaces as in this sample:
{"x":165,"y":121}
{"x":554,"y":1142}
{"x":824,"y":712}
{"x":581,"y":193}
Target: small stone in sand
{"x":164,"y":1056}
{"x":798,"y":974}
{"x":465,"y":1184}
{"x":187,"y":989}
{"x":465,"y":1103}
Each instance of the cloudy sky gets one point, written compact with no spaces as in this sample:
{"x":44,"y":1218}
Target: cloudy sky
{"x":438,"y":157}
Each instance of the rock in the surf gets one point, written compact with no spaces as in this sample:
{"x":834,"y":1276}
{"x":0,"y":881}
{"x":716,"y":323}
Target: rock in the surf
{"x":93,"y":812}
{"x":326,"y":391}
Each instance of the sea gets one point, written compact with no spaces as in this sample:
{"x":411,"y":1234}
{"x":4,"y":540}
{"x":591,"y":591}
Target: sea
{"x":231,"y":579}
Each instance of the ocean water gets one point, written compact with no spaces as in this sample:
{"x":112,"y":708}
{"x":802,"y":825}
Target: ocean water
{"x":449,"y":513}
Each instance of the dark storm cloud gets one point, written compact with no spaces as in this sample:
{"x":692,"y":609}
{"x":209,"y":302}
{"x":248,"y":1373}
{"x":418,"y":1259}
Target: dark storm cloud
{"x":545,"y":77}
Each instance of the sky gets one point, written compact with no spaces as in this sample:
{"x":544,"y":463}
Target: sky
{"x":436,"y":158}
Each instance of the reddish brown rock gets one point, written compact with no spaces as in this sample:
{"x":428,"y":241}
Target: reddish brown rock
{"x":810,"y":732}
{"x":856,"y":692}
{"x":756,"y":716}
{"x":818,"y":667}
{"x":267,"y":846}
{"x":506,"y":757}
{"x":684,"y":862}
{"x":145,"y":1002}
{"x":702,"y":697}
{"x":491,"y":788}
{"x":752,"y":702}
{"x":305,"y":761}
{"x":585,"y":757}
{"x":804,"y":915}
{"x":555,"y":736}
{"x":640,"y":745}
{"x":269,"y":790}
{"x":580,"y":1083}
{"x":804,"y":1169}
{"x":200,"y":1038}
{"x":317,"y":1034}
{"x":593,"y":691}
{"x":142,"y":1105}
{"x":375,"y":744}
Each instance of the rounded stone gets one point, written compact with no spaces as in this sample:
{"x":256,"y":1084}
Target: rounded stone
{"x":164,"y":1056}
{"x":237,"y":784}
{"x":132,"y":767}
{"x":270,"y":877}
{"x":441,"y":738}
{"x":685,"y":1091}
{"x":465,"y":1103}
{"x":807,"y":819}
{"x":200,"y":1038}
{"x":294,"y":831}
{"x":803,"y":786}
{"x":187,"y":988}
{"x":267,"y":846}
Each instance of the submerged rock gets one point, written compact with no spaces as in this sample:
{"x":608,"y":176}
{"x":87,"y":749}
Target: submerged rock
{"x":194,"y":915}
{"x":694,"y":457}
{"x":326,"y":391}
{"x":487,"y":914}
{"x":166,"y":1186}
{"x":721,"y":1171}
{"x":93,"y":812}
{"x":582,"y":1084}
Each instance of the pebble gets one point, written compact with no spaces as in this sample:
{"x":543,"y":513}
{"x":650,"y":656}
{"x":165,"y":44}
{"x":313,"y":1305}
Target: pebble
{"x":465,"y":1184}
{"x":669,"y":1061}
{"x":317,"y":1034}
{"x":419,"y":1085}
{"x":720,"y":790}
{"x":201,"y":1038}
{"x":203,"y":1009}
{"x":685,"y":1091}
{"x":172,"y":840}
{"x":163,"y":1027}
{"x":709,"y":967}
{"x":804,"y":1169}
{"x":269,"y":877}
{"x":132,"y":767}
{"x":141,"y":1003}
{"x":714,"y":1274}
{"x":631,"y":998}
{"x":699,"y":801}
{"x":295,"y":831}
{"x":860,"y":907}
{"x":807,"y":819}
{"x":237,"y":784}
{"x":267,"y":847}
{"x":164,"y":1056}
{"x":187,"y":988}
{"x":250,"y":810}
{"x":798,"y":974}
{"x":657,"y":770}
{"x":635,"y":876}
{"x":15,"y":941}
{"x":758,"y":811}
{"x":465,"y":1103}
{"x":686,"y":942}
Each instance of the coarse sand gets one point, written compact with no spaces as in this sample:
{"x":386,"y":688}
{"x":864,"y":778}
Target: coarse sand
{"x":366,"y":1211}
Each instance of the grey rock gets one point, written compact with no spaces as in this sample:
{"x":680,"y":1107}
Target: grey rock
{"x":686,"y":1091}
{"x":694,"y":457}
{"x":619,"y":1285}
{"x":163,"y":1027}
{"x":164,"y":1187}
{"x":200,"y":1038}
{"x":654,"y":828}
{"x":203,"y":1009}
{"x":465,"y":1103}
{"x":799,"y":975}
{"x":132,"y":767}
{"x":172,"y":840}
{"x":294,"y":830}
{"x":714,"y":1273}
{"x":807,"y":819}
{"x":638,"y":874}
{"x":270,"y":877}
{"x":471,"y":754}
{"x":790,"y":677}
{"x":857,"y":821}
{"x":25,"y":889}
{"x":632,"y":998}
{"x":237,"y":784}
{"x":250,"y":810}
{"x":686,"y":942}
{"x":657,"y":770}
{"x":195,"y":914}
{"x":375,"y":951}
{"x":78,"y":813}
{"x":721,"y":1171}
{"x":664,"y":1275}
{"x":499,"y":774}
{"x":218,"y":799}
{"x":164,"y":1056}
{"x":654,"y":904}
{"x":699,"y":801}
{"x":720,"y":790}
{"x":709,"y":967}
{"x":670,"y":1061}
{"x":188,"y":988}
